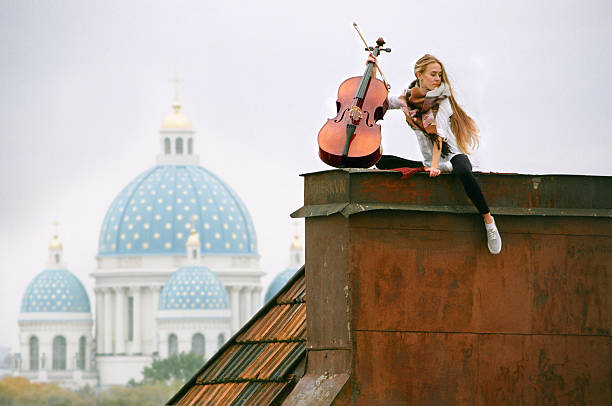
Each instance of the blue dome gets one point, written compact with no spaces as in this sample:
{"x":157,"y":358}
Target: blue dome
{"x":153,"y":215}
{"x":278,"y":282}
{"x":55,"y":290}
{"x":193,"y":287}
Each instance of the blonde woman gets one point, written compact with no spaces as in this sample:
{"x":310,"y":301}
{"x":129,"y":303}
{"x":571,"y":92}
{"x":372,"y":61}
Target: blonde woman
{"x":445,"y":133}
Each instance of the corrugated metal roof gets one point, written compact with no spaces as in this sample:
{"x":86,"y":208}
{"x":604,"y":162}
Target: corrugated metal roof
{"x":257,"y":366}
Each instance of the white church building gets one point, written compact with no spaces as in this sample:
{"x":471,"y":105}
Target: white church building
{"x":177,"y":271}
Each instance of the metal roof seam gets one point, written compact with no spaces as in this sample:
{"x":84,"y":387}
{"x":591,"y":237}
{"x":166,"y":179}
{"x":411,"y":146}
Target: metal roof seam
{"x":286,"y":340}
{"x":242,"y":380}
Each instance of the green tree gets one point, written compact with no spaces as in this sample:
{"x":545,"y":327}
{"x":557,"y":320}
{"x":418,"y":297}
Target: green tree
{"x":179,"y":367}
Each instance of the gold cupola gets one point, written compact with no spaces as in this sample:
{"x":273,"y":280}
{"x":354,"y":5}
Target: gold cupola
{"x":176,"y":120}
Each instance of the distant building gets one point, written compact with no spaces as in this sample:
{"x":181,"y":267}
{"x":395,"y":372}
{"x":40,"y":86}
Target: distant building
{"x":177,"y":271}
{"x":296,"y":260}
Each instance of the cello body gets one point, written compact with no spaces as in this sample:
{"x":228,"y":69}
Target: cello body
{"x":364,"y":148}
{"x":352,"y":138}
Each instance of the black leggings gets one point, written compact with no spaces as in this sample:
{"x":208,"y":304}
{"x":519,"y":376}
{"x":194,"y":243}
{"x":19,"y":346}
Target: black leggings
{"x":463,"y":169}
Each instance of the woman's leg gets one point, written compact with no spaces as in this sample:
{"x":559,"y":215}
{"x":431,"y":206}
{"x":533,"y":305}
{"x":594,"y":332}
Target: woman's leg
{"x":463,"y":169}
{"x":394,"y":162}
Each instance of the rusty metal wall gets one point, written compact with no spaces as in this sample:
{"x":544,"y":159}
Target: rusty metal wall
{"x":436,"y":319}
{"x":429,"y":317}
{"x":329,"y":342}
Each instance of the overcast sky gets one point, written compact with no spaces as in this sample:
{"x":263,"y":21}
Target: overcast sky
{"x":85,"y":86}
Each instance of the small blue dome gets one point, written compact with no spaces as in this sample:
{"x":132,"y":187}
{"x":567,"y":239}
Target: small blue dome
{"x":278,"y":282}
{"x":193,"y":287}
{"x":154,"y":214}
{"x":55,"y":290}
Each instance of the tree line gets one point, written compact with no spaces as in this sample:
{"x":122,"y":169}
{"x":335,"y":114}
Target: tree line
{"x":160,"y":382}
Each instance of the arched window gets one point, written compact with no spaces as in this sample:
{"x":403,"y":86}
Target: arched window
{"x":198,"y":344}
{"x":57,"y":258}
{"x":179,"y":145}
{"x":220,"y":340}
{"x":190,"y":146}
{"x":167,"y":146}
{"x":59,"y":353}
{"x":194,"y":254}
{"x":82,"y":352}
{"x":172,"y":344}
{"x":33,"y":353}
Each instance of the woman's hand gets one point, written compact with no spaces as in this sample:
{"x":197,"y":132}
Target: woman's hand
{"x":433,"y":172}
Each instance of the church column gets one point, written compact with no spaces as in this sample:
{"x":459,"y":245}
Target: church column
{"x":108,"y":321}
{"x":241,"y":305}
{"x":25,"y":354}
{"x":254,"y":307}
{"x":119,"y":320}
{"x":99,"y":320}
{"x":246,"y":294}
{"x":256,"y":299}
{"x":45,"y":354}
{"x":156,"y":291}
{"x":234,"y":307}
{"x":71,"y":352}
{"x":88,"y":353}
{"x":136,"y":320}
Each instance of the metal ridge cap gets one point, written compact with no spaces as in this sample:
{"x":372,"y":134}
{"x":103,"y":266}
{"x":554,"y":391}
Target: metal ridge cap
{"x":315,"y":210}
{"x":348,"y":209}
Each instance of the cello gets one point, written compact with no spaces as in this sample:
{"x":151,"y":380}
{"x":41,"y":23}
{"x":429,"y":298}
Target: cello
{"x":352,"y":139}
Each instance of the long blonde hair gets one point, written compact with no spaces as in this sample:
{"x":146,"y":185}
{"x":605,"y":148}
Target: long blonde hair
{"x":465,"y":129}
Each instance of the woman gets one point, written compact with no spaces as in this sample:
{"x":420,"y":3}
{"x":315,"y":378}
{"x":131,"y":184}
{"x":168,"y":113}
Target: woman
{"x":445,"y":134}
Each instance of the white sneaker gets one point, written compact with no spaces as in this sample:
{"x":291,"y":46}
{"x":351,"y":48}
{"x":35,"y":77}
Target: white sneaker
{"x":494,"y":241}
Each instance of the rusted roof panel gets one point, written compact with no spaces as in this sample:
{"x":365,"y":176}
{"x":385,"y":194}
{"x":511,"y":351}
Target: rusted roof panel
{"x":256,"y":366}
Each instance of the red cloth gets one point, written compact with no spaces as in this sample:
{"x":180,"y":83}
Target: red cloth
{"x":409,"y":171}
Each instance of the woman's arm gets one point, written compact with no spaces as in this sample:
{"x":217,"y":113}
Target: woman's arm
{"x":394,"y":102}
{"x":435,"y":159}
{"x":397,"y":103}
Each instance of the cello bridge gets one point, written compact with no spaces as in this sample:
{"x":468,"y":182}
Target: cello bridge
{"x":355,"y":113}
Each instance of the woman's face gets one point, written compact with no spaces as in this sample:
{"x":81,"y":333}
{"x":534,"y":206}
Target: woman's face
{"x":431,"y":78}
